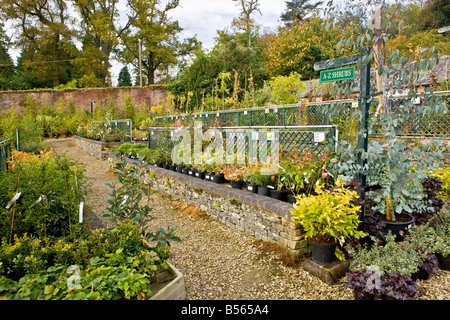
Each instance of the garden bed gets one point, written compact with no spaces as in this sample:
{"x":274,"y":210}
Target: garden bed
{"x":169,"y":285}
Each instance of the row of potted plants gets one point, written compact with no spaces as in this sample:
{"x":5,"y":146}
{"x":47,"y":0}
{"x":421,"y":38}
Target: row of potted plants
{"x":295,"y":174}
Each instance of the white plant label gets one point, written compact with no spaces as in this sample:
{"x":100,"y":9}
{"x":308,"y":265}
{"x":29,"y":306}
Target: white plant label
{"x":319,"y":136}
{"x":14,"y":199}
{"x":80,"y":213}
{"x":42,"y":197}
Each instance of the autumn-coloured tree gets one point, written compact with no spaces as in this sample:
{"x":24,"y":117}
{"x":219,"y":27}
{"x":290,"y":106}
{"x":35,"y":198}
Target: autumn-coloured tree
{"x":296,"y":49}
{"x":161,"y":48}
{"x":101,"y":31}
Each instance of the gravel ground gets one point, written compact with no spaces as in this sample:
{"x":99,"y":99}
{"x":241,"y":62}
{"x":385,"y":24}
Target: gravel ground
{"x":220,"y":263}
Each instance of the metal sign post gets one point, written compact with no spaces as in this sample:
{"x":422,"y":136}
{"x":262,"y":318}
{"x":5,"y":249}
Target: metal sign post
{"x":363,"y":105}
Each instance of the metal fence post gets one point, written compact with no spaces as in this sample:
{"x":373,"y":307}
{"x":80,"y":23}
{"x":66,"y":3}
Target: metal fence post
{"x":363,"y":134}
{"x":17,"y":138}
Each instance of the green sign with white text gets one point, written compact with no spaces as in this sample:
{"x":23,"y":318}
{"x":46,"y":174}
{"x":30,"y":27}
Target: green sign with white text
{"x":337,"y":74}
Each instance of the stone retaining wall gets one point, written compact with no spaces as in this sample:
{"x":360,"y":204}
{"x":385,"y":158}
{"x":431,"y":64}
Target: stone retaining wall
{"x":252,"y":214}
{"x":97,"y":149}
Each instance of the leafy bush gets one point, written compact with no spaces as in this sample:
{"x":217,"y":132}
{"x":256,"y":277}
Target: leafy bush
{"x":443,"y":174}
{"x":51,"y":188}
{"x":113,"y":265}
{"x":125,"y":204}
{"x":328,"y":216}
{"x":130,"y":149}
{"x":393,"y":257}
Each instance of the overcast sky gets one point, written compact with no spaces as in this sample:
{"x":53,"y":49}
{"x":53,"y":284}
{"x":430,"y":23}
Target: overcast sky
{"x":204,"y":17}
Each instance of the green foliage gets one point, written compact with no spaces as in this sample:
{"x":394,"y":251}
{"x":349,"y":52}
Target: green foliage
{"x":391,"y":163}
{"x":125,"y":204}
{"x":393,"y":257}
{"x":443,"y":173}
{"x":111,"y":265}
{"x":304,"y":171}
{"x":130,"y":149}
{"x":124,"y":79}
{"x":59,"y":184}
{"x":328,"y":216}
{"x":298,"y":10}
{"x":287,"y":89}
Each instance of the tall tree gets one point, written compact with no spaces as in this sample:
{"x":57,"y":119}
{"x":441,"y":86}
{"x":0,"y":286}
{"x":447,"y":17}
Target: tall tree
{"x":44,"y":29}
{"x":161,"y":48}
{"x":297,"y":48}
{"x":436,"y":14}
{"x":298,"y":10}
{"x":245,"y":21}
{"x":124,"y":77}
{"x":101,"y":30}
{"x":6,"y":63}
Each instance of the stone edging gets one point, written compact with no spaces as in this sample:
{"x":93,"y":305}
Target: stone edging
{"x":98,"y":149}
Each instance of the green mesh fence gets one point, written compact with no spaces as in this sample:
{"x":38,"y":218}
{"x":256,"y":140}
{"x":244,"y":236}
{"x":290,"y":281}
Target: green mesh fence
{"x":122,"y":128}
{"x":5,"y":154}
{"x":416,"y":122}
{"x":318,"y":140}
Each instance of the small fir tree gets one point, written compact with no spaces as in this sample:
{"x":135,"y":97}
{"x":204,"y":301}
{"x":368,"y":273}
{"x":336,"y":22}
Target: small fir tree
{"x":124,"y":77}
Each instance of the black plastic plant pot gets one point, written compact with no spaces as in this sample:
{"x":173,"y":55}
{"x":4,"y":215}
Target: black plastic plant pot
{"x":400,"y":228}
{"x":172,"y":168}
{"x":159,"y":165}
{"x":322,"y":253}
{"x":291,"y":198}
{"x":444,"y":261}
{"x":208,"y":176}
{"x":179,"y":169}
{"x":263,"y":191}
{"x":166,"y":166}
{"x":237,"y":184}
{"x":279,"y":195}
{"x":216,"y":178}
{"x":200,"y":175}
{"x":253,"y":188}
{"x":185,"y":171}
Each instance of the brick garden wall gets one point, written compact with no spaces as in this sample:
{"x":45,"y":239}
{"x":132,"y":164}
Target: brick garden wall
{"x":82,"y":97}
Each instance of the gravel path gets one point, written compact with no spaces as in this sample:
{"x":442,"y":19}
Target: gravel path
{"x":220,"y":263}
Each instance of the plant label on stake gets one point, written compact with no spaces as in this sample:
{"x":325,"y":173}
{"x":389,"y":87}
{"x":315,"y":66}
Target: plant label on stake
{"x":124,"y":201}
{"x":80,"y":213}
{"x":14,"y":199}
{"x":42,"y":197}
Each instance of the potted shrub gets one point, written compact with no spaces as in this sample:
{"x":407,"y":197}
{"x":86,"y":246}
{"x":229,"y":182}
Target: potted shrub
{"x":199,"y":171}
{"x":215,"y":175}
{"x":390,"y":161}
{"x":249,"y":177}
{"x":328,"y":218}
{"x":277,"y":192}
{"x":234,"y":175}
{"x":434,"y":237}
{"x":395,"y":263}
{"x":263,"y":180}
